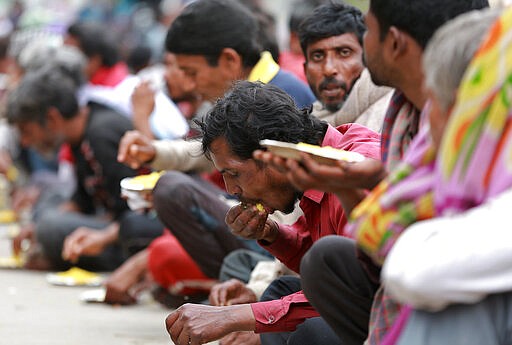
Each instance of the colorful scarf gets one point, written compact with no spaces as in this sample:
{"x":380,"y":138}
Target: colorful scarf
{"x":474,"y":161}
{"x":400,"y":126}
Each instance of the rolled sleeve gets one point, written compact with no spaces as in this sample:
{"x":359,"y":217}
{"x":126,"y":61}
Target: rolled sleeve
{"x":282,"y":315}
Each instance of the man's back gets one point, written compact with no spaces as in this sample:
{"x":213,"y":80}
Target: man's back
{"x":98,"y":172}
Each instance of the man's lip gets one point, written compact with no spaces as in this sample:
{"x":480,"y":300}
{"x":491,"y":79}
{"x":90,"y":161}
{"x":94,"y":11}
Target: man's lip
{"x":333,"y":92}
{"x":268,"y":209}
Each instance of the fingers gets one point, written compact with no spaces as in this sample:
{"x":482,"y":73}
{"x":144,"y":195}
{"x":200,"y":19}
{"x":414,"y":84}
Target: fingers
{"x":218,"y":294}
{"x":175,"y":324}
{"x":223,"y":296}
{"x":172,"y":326}
{"x":225,"y":290}
{"x":273,"y":160}
{"x":17,"y":243}
{"x":135,"y":149}
{"x":72,"y":248}
{"x":214,"y":297}
{"x":246,"y":221}
{"x":129,"y":138}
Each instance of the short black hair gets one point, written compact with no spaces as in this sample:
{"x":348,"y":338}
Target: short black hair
{"x":300,"y":11}
{"x":267,"y":39}
{"x":39,"y":91}
{"x":206,"y":27}
{"x":331,"y":19}
{"x":96,"y":39}
{"x":419,"y":18}
{"x":139,"y":58}
{"x":253,"y":111}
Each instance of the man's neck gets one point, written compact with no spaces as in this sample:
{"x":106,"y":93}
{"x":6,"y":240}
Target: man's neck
{"x":414,"y":93}
{"x":75,"y":127}
{"x":411,"y":83}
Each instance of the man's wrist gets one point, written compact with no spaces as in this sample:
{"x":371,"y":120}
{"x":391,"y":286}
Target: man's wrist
{"x":242,"y":317}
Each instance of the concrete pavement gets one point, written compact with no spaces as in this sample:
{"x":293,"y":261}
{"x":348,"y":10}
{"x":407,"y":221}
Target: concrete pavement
{"x":33,"y":312}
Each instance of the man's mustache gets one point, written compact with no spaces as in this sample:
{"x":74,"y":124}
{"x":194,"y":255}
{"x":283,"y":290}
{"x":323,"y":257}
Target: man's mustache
{"x":333,"y":82}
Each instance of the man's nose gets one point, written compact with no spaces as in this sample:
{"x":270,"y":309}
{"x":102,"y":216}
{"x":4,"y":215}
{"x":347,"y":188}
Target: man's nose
{"x":232,"y":188}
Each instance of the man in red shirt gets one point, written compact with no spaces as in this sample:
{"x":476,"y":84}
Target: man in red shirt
{"x":231,"y":132}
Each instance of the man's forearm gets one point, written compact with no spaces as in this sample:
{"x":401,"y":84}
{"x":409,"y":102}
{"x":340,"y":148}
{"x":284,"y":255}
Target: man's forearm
{"x":180,"y":155}
{"x":456,"y":259}
{"x":111,"y":233}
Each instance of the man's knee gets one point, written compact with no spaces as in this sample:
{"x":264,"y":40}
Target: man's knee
{"x":48,"y":226}
{"x":314,"y":331}
{"x":170,"y":188}
{"x":323,"y":253}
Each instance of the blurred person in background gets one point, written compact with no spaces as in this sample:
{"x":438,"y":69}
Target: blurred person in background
{"x":110,"y":83}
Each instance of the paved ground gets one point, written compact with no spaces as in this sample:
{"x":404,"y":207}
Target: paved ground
{"x":33,"y":312}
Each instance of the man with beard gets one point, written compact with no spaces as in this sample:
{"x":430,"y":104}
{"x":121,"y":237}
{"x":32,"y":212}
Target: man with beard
{"x":332,"y":42}
{"x":231,"y":132}
{"x":393,"y":49}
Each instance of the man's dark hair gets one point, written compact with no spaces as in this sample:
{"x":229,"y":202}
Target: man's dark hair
{"x":206,"y":27}
{"x":38,"y":92}
{"x":332,"y":19}
{"x":250,"y":112}
{"x":139,"y":58}
{"x":95,"y":39}
{"x":300,"y":11}
{"x":419,"y":18}
{"x":267,"y":33}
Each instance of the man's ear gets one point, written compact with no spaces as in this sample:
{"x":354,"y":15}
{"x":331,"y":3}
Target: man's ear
{"x":231,"y":62}
{"x":398,"y":42}
{"x":94,"y":63}
{"x":53,"y":118}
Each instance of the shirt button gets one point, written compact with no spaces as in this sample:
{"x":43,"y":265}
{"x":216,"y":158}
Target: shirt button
{"x":271,"y":319}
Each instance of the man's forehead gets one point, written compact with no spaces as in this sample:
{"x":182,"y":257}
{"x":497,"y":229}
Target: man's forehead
{"x":188,"y":61}
{"x":335,"y":40}
{"x":224,"y":158}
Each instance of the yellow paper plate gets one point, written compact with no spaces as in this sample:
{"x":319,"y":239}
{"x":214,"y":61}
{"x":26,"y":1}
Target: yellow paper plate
{"x":142,"y":182}
{"x":7,"y":216}
{"x":74,"y":277}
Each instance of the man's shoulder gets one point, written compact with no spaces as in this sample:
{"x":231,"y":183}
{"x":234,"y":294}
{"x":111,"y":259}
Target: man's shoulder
{"x":352,"y":131}
{"x":299,"y":91}
{"x":357,"y":138}
{"x":106,"y":123}
{"x":104,"y":116}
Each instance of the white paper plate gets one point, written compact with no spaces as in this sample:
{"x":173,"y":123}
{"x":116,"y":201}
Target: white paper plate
{"x":323,"y":155}
{"x":93,"y":296}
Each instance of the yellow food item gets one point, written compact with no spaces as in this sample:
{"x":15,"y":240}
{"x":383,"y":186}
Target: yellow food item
{"x":13,"y":261}
{"x":258,"y":206}
{"x":7,"y":216}
{"x":148,"y":181}
{"x":78,"y":276}
{"x":12,"y":173}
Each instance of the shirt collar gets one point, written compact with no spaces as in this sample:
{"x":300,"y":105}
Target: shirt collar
{"x":265,"y":69}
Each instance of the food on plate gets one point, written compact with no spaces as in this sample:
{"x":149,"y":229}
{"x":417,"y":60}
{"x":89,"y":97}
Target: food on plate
{"x":142,"y":182}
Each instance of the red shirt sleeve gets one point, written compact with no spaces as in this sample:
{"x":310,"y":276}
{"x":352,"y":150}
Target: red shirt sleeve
{"x":282,"y":315}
